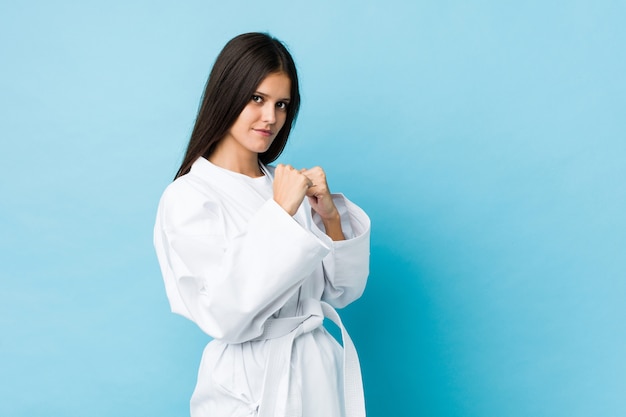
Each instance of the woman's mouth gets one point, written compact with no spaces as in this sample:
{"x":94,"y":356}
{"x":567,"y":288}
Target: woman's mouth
{"x":263,"y":132}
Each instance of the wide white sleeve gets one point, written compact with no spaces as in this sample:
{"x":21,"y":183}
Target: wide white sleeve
{"x":346,"y":266}
{"x":230,"y":287}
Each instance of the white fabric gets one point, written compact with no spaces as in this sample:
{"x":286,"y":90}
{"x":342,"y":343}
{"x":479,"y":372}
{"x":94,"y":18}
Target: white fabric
{"x":260,"y":283}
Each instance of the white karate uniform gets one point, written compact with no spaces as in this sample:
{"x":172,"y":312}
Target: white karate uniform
{"x":260,"y":282}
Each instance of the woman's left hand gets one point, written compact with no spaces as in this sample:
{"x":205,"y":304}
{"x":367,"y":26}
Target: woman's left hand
{"x":322,"y":202}
{"x":319,"y":194}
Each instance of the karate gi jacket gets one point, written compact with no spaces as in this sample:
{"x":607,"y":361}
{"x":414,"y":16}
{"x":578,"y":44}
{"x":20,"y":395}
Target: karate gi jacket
{"x":260,"y":282}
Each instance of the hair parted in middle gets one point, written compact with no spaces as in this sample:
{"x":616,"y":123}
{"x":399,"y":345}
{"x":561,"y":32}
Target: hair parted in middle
{"x":240,"y":67}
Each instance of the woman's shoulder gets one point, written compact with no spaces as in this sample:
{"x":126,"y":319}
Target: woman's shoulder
{"x":188,"y":200}
{"x":189,"y":189}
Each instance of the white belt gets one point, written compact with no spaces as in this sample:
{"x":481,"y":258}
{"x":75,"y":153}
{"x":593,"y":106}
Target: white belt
{"x":281,"y":333}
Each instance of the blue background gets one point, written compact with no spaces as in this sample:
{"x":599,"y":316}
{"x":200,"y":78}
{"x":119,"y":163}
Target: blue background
{"x":487,"y":141}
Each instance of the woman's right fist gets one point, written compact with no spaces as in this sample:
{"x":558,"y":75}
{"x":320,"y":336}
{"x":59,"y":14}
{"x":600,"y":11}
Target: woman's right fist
{"x":290,"y":187}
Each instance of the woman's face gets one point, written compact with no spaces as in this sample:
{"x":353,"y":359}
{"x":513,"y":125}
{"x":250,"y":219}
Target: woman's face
{"x":260,"y":121}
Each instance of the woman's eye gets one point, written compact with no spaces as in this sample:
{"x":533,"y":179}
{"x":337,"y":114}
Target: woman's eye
{"x":257,"y":99}
{"x":281,"y":105}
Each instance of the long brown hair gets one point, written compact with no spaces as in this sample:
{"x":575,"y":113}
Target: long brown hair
{"x":238,"y":70}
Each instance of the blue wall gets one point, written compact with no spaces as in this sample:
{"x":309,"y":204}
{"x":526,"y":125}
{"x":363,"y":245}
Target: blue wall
{"x":486,"y":140}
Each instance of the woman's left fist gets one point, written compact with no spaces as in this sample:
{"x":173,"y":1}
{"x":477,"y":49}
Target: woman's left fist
{"x":319,"y":194}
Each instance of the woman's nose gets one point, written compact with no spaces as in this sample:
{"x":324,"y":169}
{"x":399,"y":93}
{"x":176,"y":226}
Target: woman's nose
{"x":269,"y":113}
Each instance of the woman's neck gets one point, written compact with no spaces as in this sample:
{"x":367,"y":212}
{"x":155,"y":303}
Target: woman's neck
{"x":246,"y":163}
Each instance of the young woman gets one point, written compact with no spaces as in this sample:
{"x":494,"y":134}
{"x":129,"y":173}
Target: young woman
{"x":257,"y":256}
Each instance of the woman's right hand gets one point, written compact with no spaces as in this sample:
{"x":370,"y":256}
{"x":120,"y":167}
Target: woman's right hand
{"x":290,"y":187}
